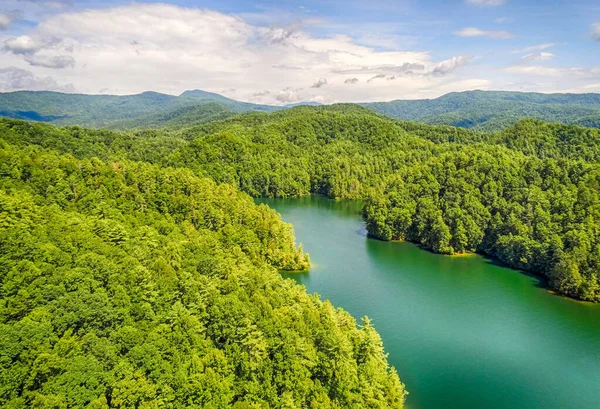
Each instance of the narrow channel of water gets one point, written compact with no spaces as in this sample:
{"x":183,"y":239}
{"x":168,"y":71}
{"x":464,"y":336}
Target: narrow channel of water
{"x":463,"y":332}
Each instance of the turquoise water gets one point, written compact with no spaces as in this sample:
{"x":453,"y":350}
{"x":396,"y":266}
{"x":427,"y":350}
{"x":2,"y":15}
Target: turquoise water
{"x":463,"y":332}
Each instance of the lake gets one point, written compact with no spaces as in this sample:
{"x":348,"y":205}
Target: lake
{"x":463,"y":332}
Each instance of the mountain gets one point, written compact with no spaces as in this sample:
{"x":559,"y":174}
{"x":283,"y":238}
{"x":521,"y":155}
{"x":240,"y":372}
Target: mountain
{"x":305,"y":103}
{"x":113,"y":111}
{"x":199,"y":96}
{"x":483,"y":110}
{"x":489,"y":110}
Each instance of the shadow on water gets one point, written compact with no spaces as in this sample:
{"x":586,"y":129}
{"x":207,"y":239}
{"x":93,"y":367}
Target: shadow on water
{"x":538,"y":280}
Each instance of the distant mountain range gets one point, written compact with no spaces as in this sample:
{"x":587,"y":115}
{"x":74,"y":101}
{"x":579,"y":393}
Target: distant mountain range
{"x":495,"y":109}
{"x":486,"y":110}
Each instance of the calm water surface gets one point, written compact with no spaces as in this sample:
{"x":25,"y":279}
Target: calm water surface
{"x":462,"y":332}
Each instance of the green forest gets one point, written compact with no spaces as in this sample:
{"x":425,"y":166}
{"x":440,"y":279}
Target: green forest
{"x":127,"y":284}
{"x":136,"y":270}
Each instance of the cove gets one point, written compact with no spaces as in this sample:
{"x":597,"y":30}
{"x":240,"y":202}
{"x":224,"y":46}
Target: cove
{"x":463,"y":332}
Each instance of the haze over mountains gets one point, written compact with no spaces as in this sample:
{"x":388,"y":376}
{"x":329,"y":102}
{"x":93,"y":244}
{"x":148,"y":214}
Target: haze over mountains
{"x":486,"y":110}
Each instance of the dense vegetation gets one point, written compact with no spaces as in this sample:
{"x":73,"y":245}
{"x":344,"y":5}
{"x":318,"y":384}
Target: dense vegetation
{"x":134,"y":273}
{"x":494,"y":110}
{"x":526,"y":195}
{"x":127,"y":284}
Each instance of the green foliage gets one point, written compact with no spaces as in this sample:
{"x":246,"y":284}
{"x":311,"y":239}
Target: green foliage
{"x":452,"y":190}
{"x":125,"y":284}
{"x":134,"y":273}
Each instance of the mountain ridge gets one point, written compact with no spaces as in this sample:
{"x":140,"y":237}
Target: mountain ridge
{"x":477,"y":109}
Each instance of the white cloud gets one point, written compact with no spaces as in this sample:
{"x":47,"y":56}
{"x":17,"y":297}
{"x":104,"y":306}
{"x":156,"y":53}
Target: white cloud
{"x":541,"y":56}
{"x":451,"y":64}
{"x":476,"y":32}
{"x":35,"y":51}
{"x":59,"y":61}
{"x":569,"y":74}
{"x":486,"y":2}
{"x":596,"y":31}
{"x":383,"y":40}
{"x":15,"y":79}
{"x":288,"y":95}
{"x":25,"y":45}
{"x":138,"y":47}
{"x":530,"y":49}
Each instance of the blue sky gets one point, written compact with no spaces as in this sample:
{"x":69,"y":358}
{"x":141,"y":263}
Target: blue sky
{"x":287,"y":51}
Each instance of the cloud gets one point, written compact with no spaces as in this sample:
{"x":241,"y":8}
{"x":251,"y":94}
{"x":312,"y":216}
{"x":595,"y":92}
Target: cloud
{"x":596,"y":31}
{"x":50,"y":3}
{"x":288,"y":67}
{"x":319,"y":83}
{"x":24,"y":45}
{"x":388,"y":68}
{"x":384,"y":40}
{"x":376,"y":77}
{"x":539,"y":47}
{"x":486,"y":2}
{"x":450,"y":65}
{"x":571,"y":73}
{"x":34,"y":51}
{"x":140,"y":46}
{"x":60,"y":61}
{"x":445,"y":67}
{"x":261,"y":93}
{"x":16,"y":79}
{"x":276,"y":35}
{"x":288,"y":95}
{"x":542,"y":56}
{"x":476,"y":32}
{"x":7,"y":18}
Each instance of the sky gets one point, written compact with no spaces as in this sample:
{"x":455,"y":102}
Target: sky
{"x":288,"y":51}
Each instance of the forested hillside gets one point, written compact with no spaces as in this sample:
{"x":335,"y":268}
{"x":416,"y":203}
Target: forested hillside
{"x":127,"y":284}
{"x":494,"y":110}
